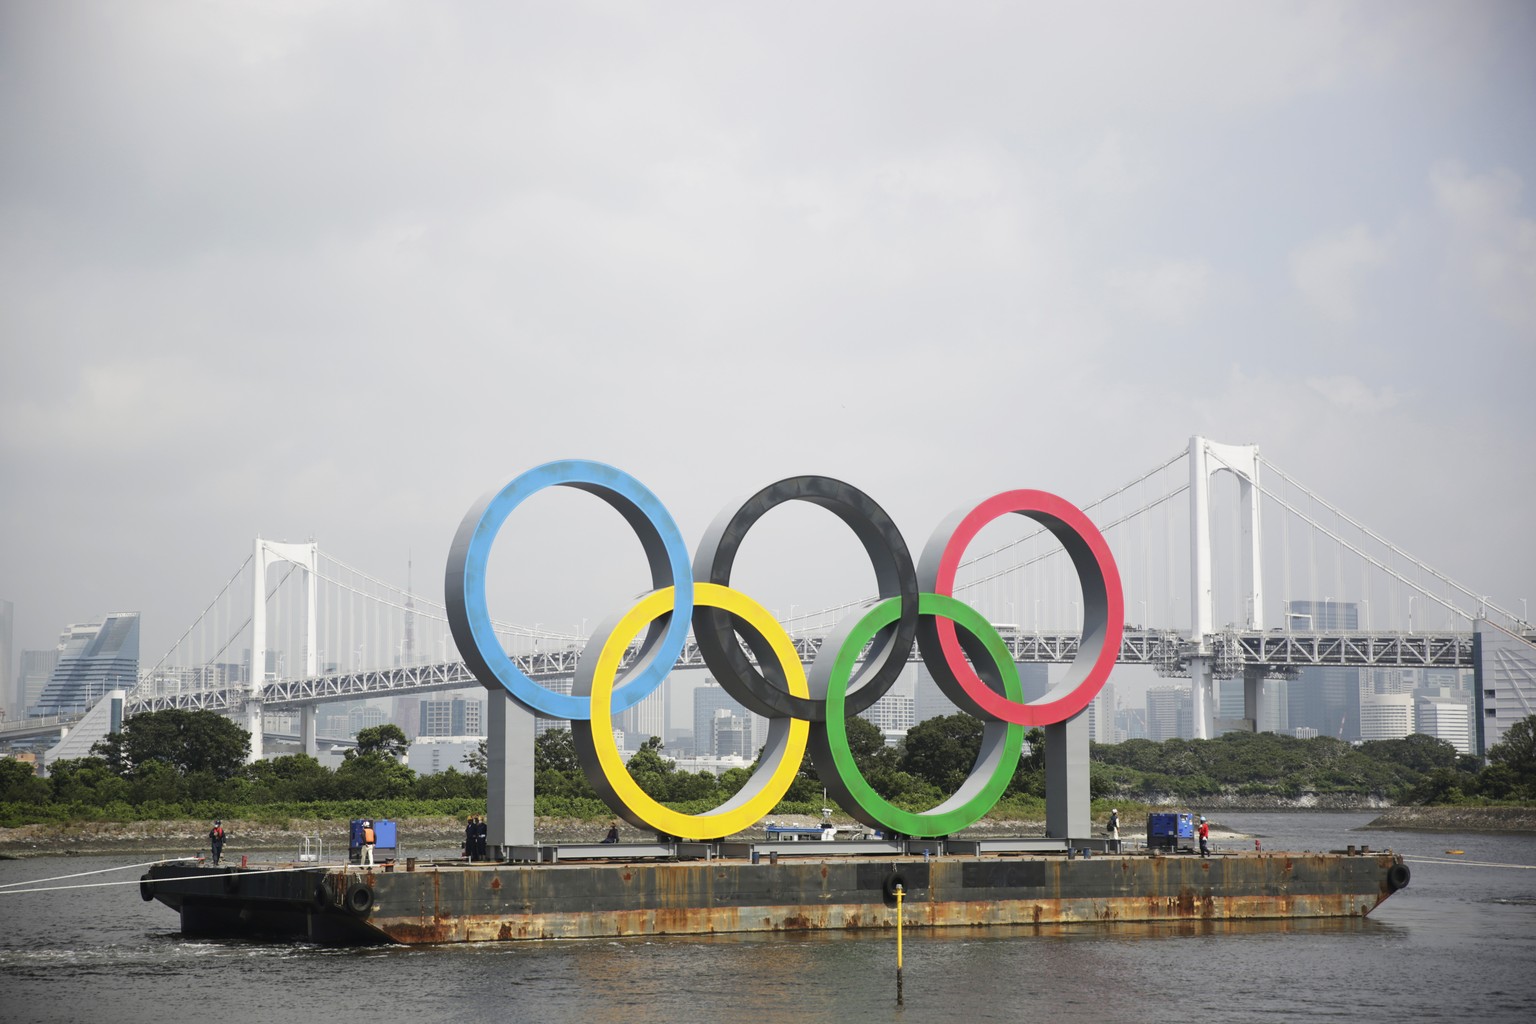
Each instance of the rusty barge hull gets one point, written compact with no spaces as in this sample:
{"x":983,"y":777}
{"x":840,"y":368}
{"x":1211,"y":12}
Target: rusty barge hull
{"x":503,"y":902}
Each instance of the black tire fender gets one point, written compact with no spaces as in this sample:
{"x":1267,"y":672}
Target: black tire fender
{"x":231,"y":881}
{"x":359,"y":898}
{"x":892,"y":881}
{"x":325,"y":894}
{"x":1398,"y":876}
{"x":146,"y":889}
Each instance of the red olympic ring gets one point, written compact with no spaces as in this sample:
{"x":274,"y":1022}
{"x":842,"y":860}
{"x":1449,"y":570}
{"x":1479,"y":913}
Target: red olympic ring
{"x":1103,"y":609}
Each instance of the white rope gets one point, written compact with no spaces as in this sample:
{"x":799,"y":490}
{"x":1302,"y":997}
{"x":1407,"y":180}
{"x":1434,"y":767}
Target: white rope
{"x":160,"y":881}
{"x":1470,"y":863}
{"x":101,"y":871}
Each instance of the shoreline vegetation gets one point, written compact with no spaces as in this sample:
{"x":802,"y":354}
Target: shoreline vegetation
{"x":187,"y":837}
{"x":157,"y":785}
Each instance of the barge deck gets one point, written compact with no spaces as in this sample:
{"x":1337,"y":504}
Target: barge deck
{"x":697,"y":889}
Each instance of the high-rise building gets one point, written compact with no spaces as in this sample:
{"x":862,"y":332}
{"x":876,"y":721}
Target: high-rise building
{"x":542,"y":725}
{"x":896,"y":710}
{"x":731,"y":735}
{"x":454,"y":716}
{"x":1325,"y":699}
{"x":891,"y":713}
{"x":647,"y":718}
{"x":1131,"y":723}
{"x":93,"y":658}
{"x":1101,"y":716}
{"x":435,"y":754}
{"x":928,"y":701}
{"x":1506,"y":684}
{"x":1446,"y":718}
{"x":1386,"y":716}
{"x":708,"y":700}
{"x":36,"y":668}
{"x":407,"y":715}
{"x":365,"y":716}
{"x":1170,"y":713}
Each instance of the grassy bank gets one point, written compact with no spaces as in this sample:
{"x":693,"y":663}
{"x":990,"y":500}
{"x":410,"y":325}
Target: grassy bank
{"x":1455,"y":818}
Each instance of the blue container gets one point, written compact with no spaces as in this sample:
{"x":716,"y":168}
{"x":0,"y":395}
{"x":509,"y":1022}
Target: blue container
{"x":385,"y":843}
{"x":1166,"y":828}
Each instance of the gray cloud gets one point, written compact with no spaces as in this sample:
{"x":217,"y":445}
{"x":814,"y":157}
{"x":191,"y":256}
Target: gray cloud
{"x":332,"y":271}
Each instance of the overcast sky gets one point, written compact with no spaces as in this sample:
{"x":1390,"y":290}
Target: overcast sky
{"x":332,"y":270}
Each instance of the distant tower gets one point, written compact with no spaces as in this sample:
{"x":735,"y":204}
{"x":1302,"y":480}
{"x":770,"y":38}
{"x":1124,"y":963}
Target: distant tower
{"x":10,"y":696}
{"x":408,"y":645}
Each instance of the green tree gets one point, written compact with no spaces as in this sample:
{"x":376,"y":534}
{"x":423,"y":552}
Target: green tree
{"x":1417,"y":753}
{"x":20,"y":784}
{"x":479,"y":760}
{"x":449,"y":784}
{"x":157,"y":782}
{"x":372,"y":776}
{"x":651,"y":772}
{"x":1517,"y":750}
{"x":1441,"y":786}
{"x":86,"y":780}
{"x":878,"y":763}
{"x":556,"y":751}
{"x":388,"y":739}
{"x":942,"y":751}
{"x":297,"y":778}
{"x":187,"y":741}
{"x":373,"y":771}
{"x":700,"y":785}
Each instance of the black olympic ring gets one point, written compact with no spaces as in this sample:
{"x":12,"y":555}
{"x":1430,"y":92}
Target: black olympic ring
{"x":715,"y":630}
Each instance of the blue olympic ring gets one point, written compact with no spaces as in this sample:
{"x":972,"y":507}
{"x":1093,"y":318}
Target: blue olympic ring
{"x":470,"y":619}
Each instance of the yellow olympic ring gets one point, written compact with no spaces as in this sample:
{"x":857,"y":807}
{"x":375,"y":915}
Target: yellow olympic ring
{"x":782,"y":756}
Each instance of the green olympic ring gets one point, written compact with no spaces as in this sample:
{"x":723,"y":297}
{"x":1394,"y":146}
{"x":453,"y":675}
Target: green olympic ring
{"x":1001,"y":741}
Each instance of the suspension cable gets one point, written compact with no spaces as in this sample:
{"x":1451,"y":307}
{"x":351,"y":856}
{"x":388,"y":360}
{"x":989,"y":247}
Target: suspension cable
{"x":1319,"y":527}
{"x":204,"y":614}
{"x":1465,"y":591}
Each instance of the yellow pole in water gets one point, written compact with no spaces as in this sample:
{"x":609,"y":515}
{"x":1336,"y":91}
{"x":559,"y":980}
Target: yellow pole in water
{"x":898,"y":943}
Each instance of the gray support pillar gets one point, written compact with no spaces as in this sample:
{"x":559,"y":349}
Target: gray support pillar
{"x":252,"y":718}
{"x":1255,"y":707}
{"x":1202,"y":681}
{"x":509,"y":772}
{"x":1066,"y":778}
{"x":308,"y":742}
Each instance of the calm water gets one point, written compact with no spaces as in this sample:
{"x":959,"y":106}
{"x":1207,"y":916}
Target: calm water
{"x":1458,"y":943}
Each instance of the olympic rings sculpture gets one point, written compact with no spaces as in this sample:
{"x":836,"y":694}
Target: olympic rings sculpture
{"x":963,"y":652}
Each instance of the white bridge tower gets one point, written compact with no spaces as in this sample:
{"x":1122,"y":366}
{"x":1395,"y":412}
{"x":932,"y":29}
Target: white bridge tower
{"x":1206,"y":458}
{"x":306,"y":556}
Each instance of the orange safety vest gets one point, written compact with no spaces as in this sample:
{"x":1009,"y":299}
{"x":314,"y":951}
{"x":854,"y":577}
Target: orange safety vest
{"x":367,"y":837}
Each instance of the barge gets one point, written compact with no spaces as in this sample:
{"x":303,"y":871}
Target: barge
{"x":700,"y":889}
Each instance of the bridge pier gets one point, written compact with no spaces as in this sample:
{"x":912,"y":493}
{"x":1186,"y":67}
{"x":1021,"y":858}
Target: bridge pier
{"x":308,"y":716}
{"x":1202,"y":683}
{"x":251,"y":712}
{"x":508,"y":771}
{"x":1067,"y":793}
{"x":1255,"y":707}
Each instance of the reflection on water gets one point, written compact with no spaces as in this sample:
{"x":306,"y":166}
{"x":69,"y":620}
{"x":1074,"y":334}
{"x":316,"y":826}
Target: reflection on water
{"x":1460,"y":939}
